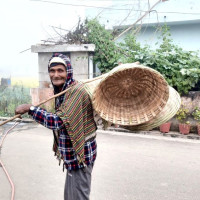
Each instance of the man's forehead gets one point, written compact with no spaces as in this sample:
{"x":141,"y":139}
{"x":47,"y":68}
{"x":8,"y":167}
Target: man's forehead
{"x":58,"y":66}
{"x":57,"y":60}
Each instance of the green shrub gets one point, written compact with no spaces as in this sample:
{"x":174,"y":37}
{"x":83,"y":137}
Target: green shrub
{"x":11,"y":97}
{"x":182,"y":114}
{"x":196,"y":114}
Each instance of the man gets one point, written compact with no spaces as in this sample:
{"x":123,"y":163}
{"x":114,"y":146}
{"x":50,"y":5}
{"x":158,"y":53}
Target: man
{"x":73,"y":126}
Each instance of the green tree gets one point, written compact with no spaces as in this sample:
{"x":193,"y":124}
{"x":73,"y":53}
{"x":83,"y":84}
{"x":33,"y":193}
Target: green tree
{"x":106,"y":52}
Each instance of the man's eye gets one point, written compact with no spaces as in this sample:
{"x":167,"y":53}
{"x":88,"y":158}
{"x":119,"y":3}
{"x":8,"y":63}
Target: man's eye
{"x":60,"y":70}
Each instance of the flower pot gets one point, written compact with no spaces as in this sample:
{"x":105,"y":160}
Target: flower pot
{"x":198,"y":129}
{"x":164,"y":128}
{"x":184,"y":128}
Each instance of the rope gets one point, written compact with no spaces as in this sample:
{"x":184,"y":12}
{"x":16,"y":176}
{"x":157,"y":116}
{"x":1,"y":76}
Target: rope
{"x":1,"y":163}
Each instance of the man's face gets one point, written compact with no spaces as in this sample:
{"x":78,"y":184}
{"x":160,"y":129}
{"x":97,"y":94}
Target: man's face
{"x":58,"y":75}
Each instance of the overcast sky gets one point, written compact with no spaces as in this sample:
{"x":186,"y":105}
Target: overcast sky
{"x":25,"y":23}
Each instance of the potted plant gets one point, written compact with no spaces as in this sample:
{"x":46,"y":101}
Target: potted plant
{"x":196,"y":115}
{"x":184,"y":124}
{"x":165,"y":127}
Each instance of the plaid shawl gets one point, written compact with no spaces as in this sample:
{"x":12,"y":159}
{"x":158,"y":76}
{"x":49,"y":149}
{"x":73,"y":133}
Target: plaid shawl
{"x":76,"y":113}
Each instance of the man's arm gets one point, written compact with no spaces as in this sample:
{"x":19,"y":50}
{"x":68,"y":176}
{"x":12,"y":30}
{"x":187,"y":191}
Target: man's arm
{"x":40,"y":115}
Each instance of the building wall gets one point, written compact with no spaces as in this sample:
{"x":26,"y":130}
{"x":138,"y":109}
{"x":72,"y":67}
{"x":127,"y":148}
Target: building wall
{"x":174,"y":10}
{"x":79,"y":61}
{"x":186,"y":36}
{"x":44,"y":81}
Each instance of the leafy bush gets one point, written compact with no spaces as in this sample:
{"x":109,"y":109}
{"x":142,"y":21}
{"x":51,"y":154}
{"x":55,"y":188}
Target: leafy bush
{"x":106,"y":52}
{"x":182,"y":114}
{"x":196,"y":114}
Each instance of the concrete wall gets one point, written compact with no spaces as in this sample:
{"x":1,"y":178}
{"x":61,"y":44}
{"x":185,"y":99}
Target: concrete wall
{"x":79,"y":61}
{"x":44,"y":81}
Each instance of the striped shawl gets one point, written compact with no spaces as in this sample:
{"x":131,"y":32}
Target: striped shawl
{"x":76,"y":113}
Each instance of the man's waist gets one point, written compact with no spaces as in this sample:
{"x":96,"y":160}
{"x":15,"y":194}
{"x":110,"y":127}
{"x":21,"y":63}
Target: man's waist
{"x":90,"y":137}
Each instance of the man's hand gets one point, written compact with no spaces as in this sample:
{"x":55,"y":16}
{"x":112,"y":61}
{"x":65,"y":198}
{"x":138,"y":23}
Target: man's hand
{"x":21,"y":109}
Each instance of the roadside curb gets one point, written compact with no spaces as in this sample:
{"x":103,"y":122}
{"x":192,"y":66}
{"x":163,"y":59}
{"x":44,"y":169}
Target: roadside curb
{"x":171,"y":134}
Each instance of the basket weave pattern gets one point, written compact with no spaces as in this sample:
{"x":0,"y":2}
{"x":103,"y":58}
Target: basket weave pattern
{"x":131,"y":94}
{"x":171,"y":108}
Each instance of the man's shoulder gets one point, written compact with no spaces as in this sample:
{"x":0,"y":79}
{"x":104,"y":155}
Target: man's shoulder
{"x":76,"y":89}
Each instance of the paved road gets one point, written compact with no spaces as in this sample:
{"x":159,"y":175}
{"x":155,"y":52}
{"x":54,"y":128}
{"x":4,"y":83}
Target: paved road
{"x":128,"y":167}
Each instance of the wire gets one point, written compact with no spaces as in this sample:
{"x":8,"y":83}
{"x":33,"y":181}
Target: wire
{"x":24,"y":50}
{"x":80,"y":5}
{"x":68,"y":4}
{"x":126,"y":17}
{"x":60,"y":28}
{"x":111,"y":0}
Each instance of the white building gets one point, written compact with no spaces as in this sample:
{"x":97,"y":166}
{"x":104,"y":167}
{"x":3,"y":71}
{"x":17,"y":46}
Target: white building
{"x":182,"y":16}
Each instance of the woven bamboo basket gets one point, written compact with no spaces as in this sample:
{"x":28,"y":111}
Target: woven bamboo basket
{"x":91,"y":86}
{"x":130,"y":94}
{"x":171,"y":108}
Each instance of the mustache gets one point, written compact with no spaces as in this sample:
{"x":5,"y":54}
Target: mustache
{"x":55,"y":79}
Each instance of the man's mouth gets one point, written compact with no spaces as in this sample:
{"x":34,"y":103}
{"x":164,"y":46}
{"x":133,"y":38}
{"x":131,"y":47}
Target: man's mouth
{"x":57,"y":79}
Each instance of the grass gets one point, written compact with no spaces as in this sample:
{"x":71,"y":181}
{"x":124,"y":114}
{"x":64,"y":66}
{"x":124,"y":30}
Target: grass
{"x":28,"y":82}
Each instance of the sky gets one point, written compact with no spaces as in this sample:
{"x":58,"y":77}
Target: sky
{"x":25,"y":23}
{"x":28,"y":22}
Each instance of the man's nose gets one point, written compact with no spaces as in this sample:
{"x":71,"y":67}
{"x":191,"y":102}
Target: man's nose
{"x":56,"y":74}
